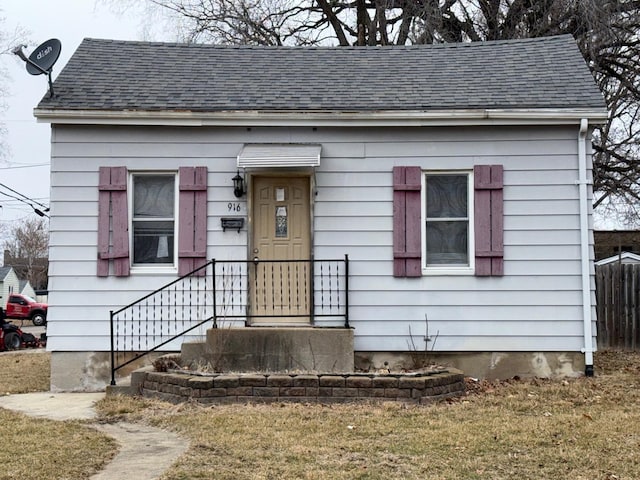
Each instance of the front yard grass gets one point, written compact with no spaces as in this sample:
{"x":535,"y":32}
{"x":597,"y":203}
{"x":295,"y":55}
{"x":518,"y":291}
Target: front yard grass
{"x":584,"y":428}
{"x":36,"y":448}
{"x":25,"y":372}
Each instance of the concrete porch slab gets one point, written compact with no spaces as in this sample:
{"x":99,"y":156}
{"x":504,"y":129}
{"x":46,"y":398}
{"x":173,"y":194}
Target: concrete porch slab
{"x":273,"y":349}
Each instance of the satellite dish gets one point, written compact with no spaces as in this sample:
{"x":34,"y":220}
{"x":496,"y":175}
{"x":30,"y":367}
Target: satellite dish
{"x":44,"y":57}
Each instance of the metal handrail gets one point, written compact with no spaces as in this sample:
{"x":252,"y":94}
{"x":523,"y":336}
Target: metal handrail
{"x":227,"y":290}
{"x":140,"y":303}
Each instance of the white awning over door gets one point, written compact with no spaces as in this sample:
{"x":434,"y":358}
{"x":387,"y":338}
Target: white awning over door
{"x":279,"y":155}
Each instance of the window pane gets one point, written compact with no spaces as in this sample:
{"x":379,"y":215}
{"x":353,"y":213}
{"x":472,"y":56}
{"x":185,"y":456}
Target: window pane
{"x":447,"y":196}
{"x":152,"y":242}
{"x":447,"y":243}
{"x":153,"y":196}
{"x":281,"y":221}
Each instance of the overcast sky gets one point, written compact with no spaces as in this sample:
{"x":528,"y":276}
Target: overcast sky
{"x":26,"y":168}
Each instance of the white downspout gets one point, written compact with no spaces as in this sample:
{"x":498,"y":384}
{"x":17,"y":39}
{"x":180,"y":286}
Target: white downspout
{"x":584,"y":248}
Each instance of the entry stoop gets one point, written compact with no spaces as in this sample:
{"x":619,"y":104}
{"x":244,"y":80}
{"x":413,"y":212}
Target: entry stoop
{"x":273,"y":349}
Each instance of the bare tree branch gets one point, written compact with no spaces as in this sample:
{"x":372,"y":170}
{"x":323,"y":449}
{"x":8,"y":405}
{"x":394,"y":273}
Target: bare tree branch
{"x":27,"y":250}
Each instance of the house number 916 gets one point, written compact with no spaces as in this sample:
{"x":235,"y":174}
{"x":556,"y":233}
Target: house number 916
{"x":233,"y":207}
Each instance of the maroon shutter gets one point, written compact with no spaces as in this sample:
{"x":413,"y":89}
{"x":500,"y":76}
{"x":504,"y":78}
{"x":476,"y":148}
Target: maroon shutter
{"x":407,"y":245}
{"x":192,"y":231}
{"x":113,"y":223}
{"x":489,"y":230}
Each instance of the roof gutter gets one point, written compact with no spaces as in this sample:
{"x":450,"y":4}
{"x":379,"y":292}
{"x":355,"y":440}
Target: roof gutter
{"x":584,"y":248}
{"x":322,"y":118}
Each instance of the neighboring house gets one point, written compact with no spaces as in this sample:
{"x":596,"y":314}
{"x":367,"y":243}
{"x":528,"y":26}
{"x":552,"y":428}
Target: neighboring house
{"x":26,"y":289}
{"x":622,"y":257}
{"x":610,"y":242}
{"x":9,"y":284}
{"x":35,"y":269}
{"x":455,"y":177}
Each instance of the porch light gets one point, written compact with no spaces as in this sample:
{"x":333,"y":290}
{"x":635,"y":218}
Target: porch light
{"x":238,"y":185}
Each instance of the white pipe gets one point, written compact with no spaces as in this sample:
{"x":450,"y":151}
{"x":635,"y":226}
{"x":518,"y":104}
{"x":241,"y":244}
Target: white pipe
{"x":584,"y":247}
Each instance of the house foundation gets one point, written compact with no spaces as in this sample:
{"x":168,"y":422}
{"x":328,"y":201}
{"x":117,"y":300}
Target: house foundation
{"x":486,"y":365}
{"x":90,"y":371}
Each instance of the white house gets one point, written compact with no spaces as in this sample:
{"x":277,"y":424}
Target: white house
{"x":9,"y":284}
{"x":26,"y":289}
{"x":456,"y":178}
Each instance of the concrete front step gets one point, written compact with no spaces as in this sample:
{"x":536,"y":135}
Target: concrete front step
{"x":272,"y":349}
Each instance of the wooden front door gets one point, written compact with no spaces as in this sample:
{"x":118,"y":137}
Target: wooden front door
{"x":280,"y":289}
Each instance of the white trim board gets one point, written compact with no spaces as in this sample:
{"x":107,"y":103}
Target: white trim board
{"x":324,"y":118}
{"x":624,"y":257}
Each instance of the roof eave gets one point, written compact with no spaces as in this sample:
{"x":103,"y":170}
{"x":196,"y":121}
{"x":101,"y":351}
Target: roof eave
{"x":323,"y":118}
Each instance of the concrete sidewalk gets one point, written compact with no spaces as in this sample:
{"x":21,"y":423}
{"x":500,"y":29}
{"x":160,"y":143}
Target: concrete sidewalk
{"x":145,"y":450}
{"x":55,"y":406}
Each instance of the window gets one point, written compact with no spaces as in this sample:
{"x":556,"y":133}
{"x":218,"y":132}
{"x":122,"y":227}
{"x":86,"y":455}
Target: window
{"x":148,"y":214}
{"x":447,"y":226}
{"x":153,"y":218}
{"x":448,"y":222}
{"x":17,"y":300}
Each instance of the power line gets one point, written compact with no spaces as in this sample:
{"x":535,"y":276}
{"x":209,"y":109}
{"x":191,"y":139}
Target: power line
{"x":15,"y":202}
{"x":36,"y":210}
{"x":24,"y":196}
{"x":31,"y":165}
{"x":13,"y":162}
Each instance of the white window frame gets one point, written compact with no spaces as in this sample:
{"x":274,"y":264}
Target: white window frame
{"x":154,"y":268}
{"x":448,"y":269}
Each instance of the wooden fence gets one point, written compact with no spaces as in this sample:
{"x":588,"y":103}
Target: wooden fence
{"x":618,"y":306}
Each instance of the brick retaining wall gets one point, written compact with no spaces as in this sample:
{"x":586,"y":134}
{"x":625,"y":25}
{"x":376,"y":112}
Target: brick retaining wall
{"x":420,"y":388}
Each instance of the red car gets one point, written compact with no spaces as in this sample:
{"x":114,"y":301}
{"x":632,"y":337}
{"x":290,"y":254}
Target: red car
{"x":23,"y":307}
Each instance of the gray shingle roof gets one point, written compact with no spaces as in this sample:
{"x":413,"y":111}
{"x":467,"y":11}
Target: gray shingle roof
{"x":4,"y":271}
{"x":140,"y":76}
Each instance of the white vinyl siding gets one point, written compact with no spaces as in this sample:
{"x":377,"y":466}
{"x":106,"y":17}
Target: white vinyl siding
{"x":10,"y":284}
{"x":535,"y":306}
